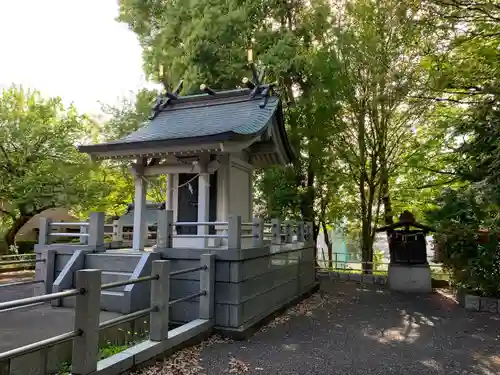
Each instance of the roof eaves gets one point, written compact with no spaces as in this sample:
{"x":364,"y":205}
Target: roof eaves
{"x":291,"y":154}
{"x":115,"y":146}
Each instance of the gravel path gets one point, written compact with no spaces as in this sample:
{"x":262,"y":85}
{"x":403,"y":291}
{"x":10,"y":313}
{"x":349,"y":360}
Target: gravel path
{"x":348,"y":329}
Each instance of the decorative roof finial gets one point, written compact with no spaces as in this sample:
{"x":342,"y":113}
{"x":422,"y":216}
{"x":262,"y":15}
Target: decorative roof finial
{"x":256,"y":84}
{"x":163,"y":100}
{"x":207,"y":89}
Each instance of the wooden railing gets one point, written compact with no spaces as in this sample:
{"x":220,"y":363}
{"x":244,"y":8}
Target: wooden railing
{"x":85,"y":333}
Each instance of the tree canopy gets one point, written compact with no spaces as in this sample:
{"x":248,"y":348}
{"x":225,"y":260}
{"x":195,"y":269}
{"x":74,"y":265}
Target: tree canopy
{"x":40,"y":168}
{"x":391,"y":105}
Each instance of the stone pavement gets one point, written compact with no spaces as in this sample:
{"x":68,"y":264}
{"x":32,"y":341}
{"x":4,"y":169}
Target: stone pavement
{"x":353,"y":330}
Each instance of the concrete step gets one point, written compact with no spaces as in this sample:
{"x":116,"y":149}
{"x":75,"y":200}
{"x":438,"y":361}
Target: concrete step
{"x":112,"y":301}
{"x":111,"y":277}
{"x":112,"y":262}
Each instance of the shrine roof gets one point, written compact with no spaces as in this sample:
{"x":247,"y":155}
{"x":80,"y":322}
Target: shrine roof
{"x":233,"y":115}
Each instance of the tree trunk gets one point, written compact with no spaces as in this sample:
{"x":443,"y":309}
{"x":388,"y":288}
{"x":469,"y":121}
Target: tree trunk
{"x":328,"y":245}
{"x":366,"y":246}
{"x":10,"y":236}
{"x":384,"y":188}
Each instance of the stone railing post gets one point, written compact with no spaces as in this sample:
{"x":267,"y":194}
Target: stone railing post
{"x":288,"y":232}
{"x":165,"y":229}
{"x":44,"y":231}
{"x":308,"y":232}
{"x":45,"y":271}
{"x":160,"y":296}
{"x":300,"y":231}
{"x":257,"y":232}
{"x":96,"y":230}
{"x":117,"y":231}
{"x":207,"y":285}
{"x":87,"y":312}
{"x":234,"y":232}
{"x":276,"y":231}
{"x":84,"y":230}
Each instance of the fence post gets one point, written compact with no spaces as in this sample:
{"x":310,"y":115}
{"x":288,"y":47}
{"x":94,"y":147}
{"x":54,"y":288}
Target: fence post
{"x":300,"y":231}
{"x":257,"y":232}
{"x":234,"y":232}
{"x":50,"y":269}
{"x":160,"y":296}
{"x":87,"y":311}
{"x":164,"y":229}
{"x":117,"y":231}
{"x":96,"y":230}
{"x":288,"y":232}
{"x":5,"y":367}
{"x":44,"y":231}
{"x":84,"y":239}
{"x":276,"y":231}
{"x":207,"y":285}
{"x":308,"y":232}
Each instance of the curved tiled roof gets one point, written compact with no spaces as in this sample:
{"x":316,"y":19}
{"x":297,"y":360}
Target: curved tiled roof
{"x":228,"y":115}
{"x":239,"y":118}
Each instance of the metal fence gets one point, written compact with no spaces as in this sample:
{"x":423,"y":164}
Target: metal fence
{"x":16,"y":263}
{"x":85,"y":335}
{"x":342,"y":264}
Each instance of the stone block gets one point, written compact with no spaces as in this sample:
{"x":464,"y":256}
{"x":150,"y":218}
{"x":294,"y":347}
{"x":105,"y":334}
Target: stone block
{"x":460,"y":296}
{"x":355,"y":277}
{"x":343,"y":276}
{"x":472,"y":303}
{"x":410,"y":278}
{"x":488,"y":305}
{"x":368,"y":279}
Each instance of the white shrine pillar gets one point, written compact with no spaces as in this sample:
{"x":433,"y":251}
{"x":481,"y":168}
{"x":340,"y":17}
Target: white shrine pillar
{"x":140,"y":233}
{"x":223,"y":194}
{"x":203,"y":202}
{"x":169,"y":204}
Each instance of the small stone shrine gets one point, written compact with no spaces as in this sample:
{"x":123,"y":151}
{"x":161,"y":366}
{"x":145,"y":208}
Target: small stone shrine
{"x":409,"y":270}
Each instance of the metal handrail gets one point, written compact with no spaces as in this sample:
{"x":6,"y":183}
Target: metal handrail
{"x":70,"y":224}
{"x":44,"y":344}
{"x":187,"y":270}
{"x":195,"y":223}
{"x":44,"y":298}
{"x":9,"y":262}
{"x":22,"y":283}
{"x":127,"y":318}
{"x":199,"y":236}
{"x":18,"y":255}
{"x":61,"y":234}
{"x":187,"y":298}
{"x":129,"y":282}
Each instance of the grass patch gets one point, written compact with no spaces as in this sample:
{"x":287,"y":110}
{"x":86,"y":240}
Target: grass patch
{"x":107,"y":350}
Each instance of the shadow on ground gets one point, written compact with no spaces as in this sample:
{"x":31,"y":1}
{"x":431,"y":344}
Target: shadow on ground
{"x":347,"y":328}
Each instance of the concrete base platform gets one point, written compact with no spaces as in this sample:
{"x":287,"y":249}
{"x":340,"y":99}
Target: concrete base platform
{"x":249,"y":328}
{"x":410,"y":278}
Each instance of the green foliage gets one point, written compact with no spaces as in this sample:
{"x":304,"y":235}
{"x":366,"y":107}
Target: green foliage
{"x":40,"y":167}
{"x":468,"y":222}
{"x":378,"y":256}
{"x":466,"y":73}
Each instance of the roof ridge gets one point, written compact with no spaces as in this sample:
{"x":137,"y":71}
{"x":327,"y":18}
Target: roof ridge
{"x":177,"y":106}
